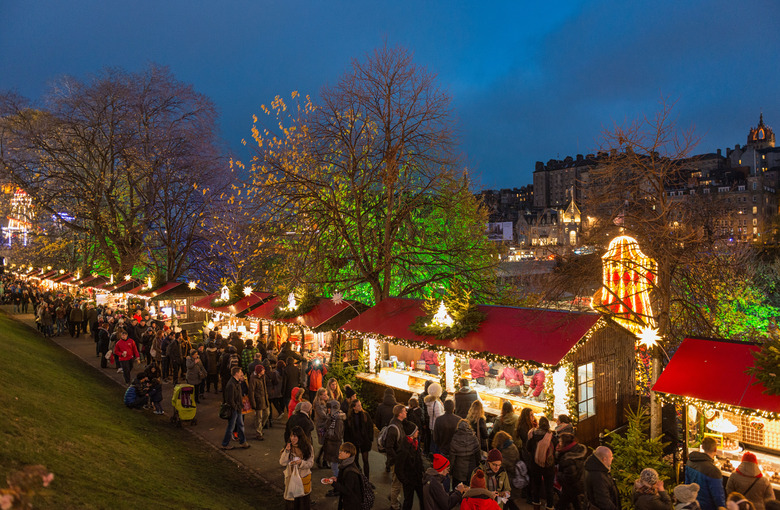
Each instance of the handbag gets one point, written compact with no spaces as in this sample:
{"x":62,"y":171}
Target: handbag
{"x":246,"y":406}
{"x":225,"y":411}
{"x":294,"y":487}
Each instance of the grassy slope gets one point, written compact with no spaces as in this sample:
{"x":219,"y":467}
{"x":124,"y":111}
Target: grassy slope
{"x":57,"y":411}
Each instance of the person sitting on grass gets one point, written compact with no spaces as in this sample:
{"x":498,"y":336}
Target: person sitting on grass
{"x":136,"y":395}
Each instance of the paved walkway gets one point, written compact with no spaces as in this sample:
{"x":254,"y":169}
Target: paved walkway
{"x":262,"y":458}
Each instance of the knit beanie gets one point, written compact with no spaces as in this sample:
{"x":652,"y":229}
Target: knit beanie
{"x":409,"y":427}
{"x":478,"y":480}
{"x":686,"y":493}
{"x":434,"y":390}
{"x":649,"y":477}
{"x":349,"y":392}
{"x":749,"y":457}
{"x":440,"y":462}
{"x":259,"y":369}
{"x":494,"y":456}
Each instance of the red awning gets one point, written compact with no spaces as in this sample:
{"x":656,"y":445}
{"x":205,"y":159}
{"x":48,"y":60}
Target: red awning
{"x":62,"y":277}
{"x":137,"y":291}
{"x":121,"y":286}
{"x":323,"y":311}
{"x":543,"y":336}
{"x":158,"y":292}
{"x":236,"y":308}
{"x":714,"y":370}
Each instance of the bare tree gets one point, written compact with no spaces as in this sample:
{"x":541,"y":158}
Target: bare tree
{"x":366,"y":189}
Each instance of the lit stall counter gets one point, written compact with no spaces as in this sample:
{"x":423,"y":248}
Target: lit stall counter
{"x":493,"y":400}
{"x":408,"y":380}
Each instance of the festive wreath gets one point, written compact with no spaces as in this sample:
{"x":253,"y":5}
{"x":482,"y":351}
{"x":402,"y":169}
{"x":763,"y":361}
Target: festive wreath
{"x":305,"y":300}
{"x":463,"y":311}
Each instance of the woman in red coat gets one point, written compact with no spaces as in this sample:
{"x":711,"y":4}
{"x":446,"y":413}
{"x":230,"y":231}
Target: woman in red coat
{"x":478,"y":497}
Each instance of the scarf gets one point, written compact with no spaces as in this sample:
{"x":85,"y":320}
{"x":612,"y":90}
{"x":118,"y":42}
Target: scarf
{"x":412,"y":442}
{"x":346,"y":462}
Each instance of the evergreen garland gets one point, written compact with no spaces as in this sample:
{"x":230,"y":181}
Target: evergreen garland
{"x":766,"y":365}
{"x":462,"y":309}
{"x":306,"y":300}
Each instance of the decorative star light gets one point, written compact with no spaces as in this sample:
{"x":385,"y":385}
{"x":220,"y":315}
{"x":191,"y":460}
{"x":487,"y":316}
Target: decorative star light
{"x":192,"y":285}
{"x":62,"y":271}
{"x":127,"y":277}
{"x":247,"y":290}
{"x":648,"y":336}
{"x":48,"y":268}
{"x":224,"y":293}
{"x":442,"y":317}
{"x":337,"y":298}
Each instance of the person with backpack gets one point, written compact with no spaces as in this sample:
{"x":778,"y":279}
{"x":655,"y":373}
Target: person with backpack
{"x":390,"y":441}
{"x":510,"y":457}
{"x":332,"y":438}
{"x":349,"y":484}
{"x":541,"y":448}
{"x":409,"y":465}
{"x":435,"y":497}
{"x":465,"y":453}
{"x":570,"y":456}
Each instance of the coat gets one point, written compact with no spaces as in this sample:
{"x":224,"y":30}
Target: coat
{"x":349,"y":485}
{"x":443,"y":430}
{"x":509,"y":457}
{"x":258,"y":394}
{"x":600,"y":487}
{"x":384,"y":411}
{"x":408,"y":463}
{"x":274,"y":382}
{"x":701,"y":469}
{"x":196,"y":373}
{"x":330,"y":446}
{"x":292,"y":379}
{"x":233,"y":394}
{"x":304,"y":469}
{"x":434,"y":495}
{"x":494,"y":481}
{"x":434,"y":408}
{"x":294,"y":399}
{"x":301,"y":420}
{"x":571,"y":466}
{"x":126,"y":350}
{"x":748,"y":481}
{"x":645,"y":499}
{"x":464,"y":397}
{"x":507,"y":423}
{"x":478,"y":499}
{"x":465,"y":453}
{"x":359,"y":430}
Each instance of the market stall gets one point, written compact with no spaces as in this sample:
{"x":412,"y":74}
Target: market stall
{"x":115,"y":295}
{"x":708,"y":379}
{"x":170,"y":304}
{"x":226,"y":315}
{"x":583,"y":364}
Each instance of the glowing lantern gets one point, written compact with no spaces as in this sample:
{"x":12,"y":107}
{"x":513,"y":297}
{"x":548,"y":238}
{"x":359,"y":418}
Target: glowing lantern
{"x":627,"y":277}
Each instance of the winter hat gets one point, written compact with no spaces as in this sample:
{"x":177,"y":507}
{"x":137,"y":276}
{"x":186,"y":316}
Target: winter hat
{"x":494,"y":456}
{"x":686,"y":493}
{"x":409,"y":427}
{"x":749,"y":457}
{"x":434,"y":390}
{"x":478,"y":480}
{"x":648,"y":476}
{"x":305,"y":407}
{"x":440,"y":462}
{"x":349,"y":392}
{"x":259,"y":369}
{"x":334,"y":405}
{"x":390,"y":391}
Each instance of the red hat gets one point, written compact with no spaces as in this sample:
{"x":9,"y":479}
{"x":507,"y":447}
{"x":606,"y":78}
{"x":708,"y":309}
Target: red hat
{"x":478,"y":480}
{"x":494,"y":456}
{"x":749,"y":457}
{"x":440,"y":462}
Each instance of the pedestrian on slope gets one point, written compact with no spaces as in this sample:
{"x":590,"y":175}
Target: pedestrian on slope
{"x":298,"y":453}
{"x":196,"y":374}
{"x":127,"y":352}
{"x":258,"y":398}
{"x":359,"y":430}
{"x":232,"y":396}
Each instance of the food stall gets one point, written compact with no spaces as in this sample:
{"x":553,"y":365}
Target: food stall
{"x":586,"y":363}
{"x":227,"y":314}
{"x":169,"y":304}
{"x":115,"y":295}
{"x":314,"y":329}
{"x":708,"y":379}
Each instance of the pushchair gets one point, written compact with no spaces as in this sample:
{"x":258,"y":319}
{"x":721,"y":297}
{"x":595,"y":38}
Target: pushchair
{"x":184,"y":406}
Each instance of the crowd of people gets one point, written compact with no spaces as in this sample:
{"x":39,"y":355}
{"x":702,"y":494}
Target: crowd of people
{"x":439,"y":448}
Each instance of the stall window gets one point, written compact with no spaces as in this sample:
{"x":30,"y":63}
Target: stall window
{"x":350,"y":348}
{"x":586,"y":391}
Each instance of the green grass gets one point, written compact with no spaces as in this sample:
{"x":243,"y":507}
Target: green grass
{"x":57,"y":411}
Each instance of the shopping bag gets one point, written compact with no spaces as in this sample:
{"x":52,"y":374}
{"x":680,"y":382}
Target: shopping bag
{"x":294,"y":485}
{"x":246,"y":406}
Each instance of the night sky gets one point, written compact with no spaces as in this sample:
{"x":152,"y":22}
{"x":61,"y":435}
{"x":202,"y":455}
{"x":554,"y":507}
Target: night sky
{"x":530,"y":81}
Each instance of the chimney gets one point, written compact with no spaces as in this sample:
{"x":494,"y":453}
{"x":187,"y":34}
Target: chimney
{"x":718,"y":152}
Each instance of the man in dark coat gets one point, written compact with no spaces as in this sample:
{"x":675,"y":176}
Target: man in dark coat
{"x":348,"y":485}
{"x":232,"y":397}
{"x":570,"y":457}
{"x":292,"y":379}
{"x":600,"y":487}
{"x":464,"y":397}
{"x":395,"y":433}
{"x":384,"y":411}
{"x":409,"y":465}
{"x":701,"y":469}
{"x":301,"y":419}
{"x":445,"y":426}
{"x":435,"y":497}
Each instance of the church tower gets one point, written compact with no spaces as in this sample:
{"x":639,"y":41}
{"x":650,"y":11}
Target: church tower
{"x":761,"y":136}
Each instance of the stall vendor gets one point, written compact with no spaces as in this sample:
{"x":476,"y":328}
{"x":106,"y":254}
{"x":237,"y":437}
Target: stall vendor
{"x":536,"y":386}
{"x":479,"y":368}
{"x":431,"y":360}
{"x":514,"y":378}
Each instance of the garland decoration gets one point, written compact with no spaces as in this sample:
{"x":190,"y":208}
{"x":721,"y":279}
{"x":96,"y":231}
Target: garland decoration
{"x":571,"y":393}
{"x":454,"y":316}
{"x":298,"y":302}
{"x":766,"y":365}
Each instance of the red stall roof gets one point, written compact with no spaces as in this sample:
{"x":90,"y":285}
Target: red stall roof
{"x":159,"y":291}
{"x":121,"y":286}
{"x":543,"y":336}
{"x":236,"y":308}
{"x":323,"y":311}
{"x":714,"y":370}
{"x":62,"y":277}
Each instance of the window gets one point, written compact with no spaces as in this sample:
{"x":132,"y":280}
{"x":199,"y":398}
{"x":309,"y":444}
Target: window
{"x":755,"y":222}
{"x":755,"y":186}
{"x":586,"y":391}
{"x":755,"y":210}
{"x":754,"y":199}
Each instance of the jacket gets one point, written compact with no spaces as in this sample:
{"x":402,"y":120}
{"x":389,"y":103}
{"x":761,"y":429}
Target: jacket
{"x":303,"y":421}
{"x":331,"y":446}
{"x":512,"y":376}
{"x":292,"y":377}
{"x":211,"y":360}
{"x":646,"y":499}
{"x":479,"y":368}
{"x":359,"y":430}
{"x":600,"y":487}
{"x":536,"y":436}
{"x":258,"y":395}
{"x":434,"y":495}
{"x":465,"y":453}
{"x":494,"y":481}
{"x":509,"y":457}
{"x":434,"y":408}
{"x":349,"y":485}
{"x":295,"y":395}
{"x":174,"y":351}
{"x":393,"y":440}
{"x":304,"y":468}
{"x":126,"y":350}
{"x":571,"y":465}
{"x":384,"y":411}
{"x":408,"y":463}
{"x":701,"y":469}
{"x":233,"y":394}
{"x":273,"y":381}
{"x":507,"y":423}
{"x":195,"y":371}
{"x":443,"y":430}
{"x":464,"y":397}
{"x":748,"y":481}
{"x":478,"y":499}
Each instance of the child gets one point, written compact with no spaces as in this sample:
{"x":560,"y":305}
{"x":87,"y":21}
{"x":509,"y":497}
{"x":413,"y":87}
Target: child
{"x":685,"y":495}
{"x":348,"y":484}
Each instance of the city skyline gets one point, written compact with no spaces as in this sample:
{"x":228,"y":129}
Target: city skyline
{"x":529,"y":83}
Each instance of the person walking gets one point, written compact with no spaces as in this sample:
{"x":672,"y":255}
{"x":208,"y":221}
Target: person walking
{"x":127,"y":352}
{"x":174,"y":359}
{"x":384,"y":411}
{"x":359,"y":430}
{"x":297,"y":457}
{"x":409,"y":465}
{"x":476,"y":419}
{"x":258,"y":398}
{"x":196,"y":373}
{"x":433,"y":408}
{"x":600,"y":488}
{"x":333,"y":437}
{"x":444,"y":428}
{"x":395,"y":433}
{"x":232,"y":397}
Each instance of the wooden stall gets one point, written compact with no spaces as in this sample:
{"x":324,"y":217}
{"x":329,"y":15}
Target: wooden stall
{"x":230,"y":317}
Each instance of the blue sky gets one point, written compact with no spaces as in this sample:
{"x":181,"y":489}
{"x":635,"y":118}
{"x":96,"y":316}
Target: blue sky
{"x":530,"y":81}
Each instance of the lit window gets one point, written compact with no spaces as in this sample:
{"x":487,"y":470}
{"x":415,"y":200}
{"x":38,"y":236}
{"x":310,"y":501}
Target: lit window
{"x":755,"y":210}
{"x":586,"y":391}
{"x":755,"y":222}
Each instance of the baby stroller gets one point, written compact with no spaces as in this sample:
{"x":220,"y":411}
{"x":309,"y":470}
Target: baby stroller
{"x":184,"y":407}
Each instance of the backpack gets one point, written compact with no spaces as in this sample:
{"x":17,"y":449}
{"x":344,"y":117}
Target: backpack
{"x":367,"y":501}
{"x":382,"y":439}
{"x":520,"y":478}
